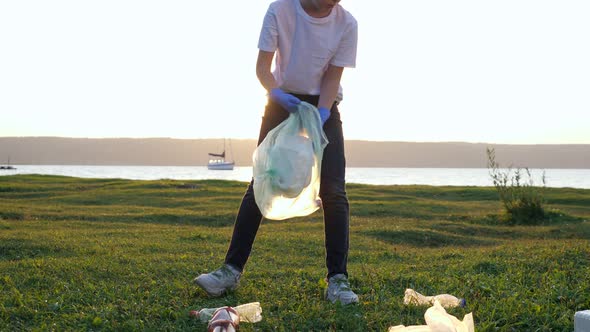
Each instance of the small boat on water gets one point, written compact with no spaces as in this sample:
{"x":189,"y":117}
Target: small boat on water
{"x":218,"y":162}
{"x":7,"y":167}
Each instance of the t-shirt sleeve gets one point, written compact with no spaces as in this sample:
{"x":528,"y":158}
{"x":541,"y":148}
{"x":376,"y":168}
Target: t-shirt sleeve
{"x":268,"y":40}
{"x":346,"y":53}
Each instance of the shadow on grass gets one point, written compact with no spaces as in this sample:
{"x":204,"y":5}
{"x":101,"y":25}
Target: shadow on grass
{"x":427,"y":238}
{"x":489,"y":268}
{"x":479,"y":230}
{"x":12,"y":215}
{"x":552,"y":217}
{"x":17,"y":249}
{"x":176,"y":219}
{"x":350,"y":318}
{"x":380,"y":210}
{"x":574,"y":229}
{"x":412,"y":192}
{"x":160,"y":218}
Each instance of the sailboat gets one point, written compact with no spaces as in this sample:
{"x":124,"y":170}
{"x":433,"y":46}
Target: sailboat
{"x":7,"y":167}
{"x":218,"y":162}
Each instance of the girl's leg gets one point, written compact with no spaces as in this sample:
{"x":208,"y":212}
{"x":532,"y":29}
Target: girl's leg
{"x":249,"y":216}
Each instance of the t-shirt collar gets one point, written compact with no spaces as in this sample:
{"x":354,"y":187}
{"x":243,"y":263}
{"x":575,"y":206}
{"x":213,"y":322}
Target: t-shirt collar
{"x":317,"y":20}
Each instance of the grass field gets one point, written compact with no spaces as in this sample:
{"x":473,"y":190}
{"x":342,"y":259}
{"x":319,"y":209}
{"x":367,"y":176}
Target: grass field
{"x":109,"y":254}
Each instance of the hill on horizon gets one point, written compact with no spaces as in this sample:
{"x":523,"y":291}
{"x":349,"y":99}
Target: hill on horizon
{"x":193,"y":152}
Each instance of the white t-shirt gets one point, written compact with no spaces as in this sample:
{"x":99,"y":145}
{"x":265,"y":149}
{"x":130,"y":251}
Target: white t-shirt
{"x":307,"y":45}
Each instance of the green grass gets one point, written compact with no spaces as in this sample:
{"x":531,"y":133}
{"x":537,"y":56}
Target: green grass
{"x":111,"y":254}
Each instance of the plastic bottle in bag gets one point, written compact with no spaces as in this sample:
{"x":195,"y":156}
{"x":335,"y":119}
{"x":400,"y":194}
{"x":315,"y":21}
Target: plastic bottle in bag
{"x":287,"y":165}
{"x":248,"y":313}
{"x":445,"y":300}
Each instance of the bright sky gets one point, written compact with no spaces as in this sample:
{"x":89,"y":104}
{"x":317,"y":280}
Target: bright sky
{"x":506,"y":71}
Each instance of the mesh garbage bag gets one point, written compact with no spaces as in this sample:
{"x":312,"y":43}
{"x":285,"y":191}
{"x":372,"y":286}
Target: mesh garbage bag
{"x":287,"y":166}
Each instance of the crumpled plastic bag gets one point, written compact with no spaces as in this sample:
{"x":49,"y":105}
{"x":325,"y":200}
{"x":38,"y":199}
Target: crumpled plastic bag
{"x":411,"y":297}
{"x":287,"y":166}
{"x":438,"y":320}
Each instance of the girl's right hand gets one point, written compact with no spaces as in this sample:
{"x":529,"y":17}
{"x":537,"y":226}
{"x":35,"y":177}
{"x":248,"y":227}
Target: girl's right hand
{"x":286,"y":100}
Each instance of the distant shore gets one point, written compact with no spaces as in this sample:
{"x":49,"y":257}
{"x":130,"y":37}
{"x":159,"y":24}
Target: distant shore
{"x":192,"y":152}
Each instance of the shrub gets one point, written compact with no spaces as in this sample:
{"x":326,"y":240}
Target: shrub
{"x":522,"y":200}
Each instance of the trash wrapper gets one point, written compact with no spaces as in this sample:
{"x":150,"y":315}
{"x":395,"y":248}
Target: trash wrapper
{"x":438,"y":320}
{"x":411,"y":297}
{"x":287,"y":166}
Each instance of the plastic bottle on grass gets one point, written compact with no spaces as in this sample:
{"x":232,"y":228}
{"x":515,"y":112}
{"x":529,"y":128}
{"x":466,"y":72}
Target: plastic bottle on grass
{"x":248,"y":313}
{"x":225,"y":319}
{"x":445,"y":300}
{"x":204,"y":315}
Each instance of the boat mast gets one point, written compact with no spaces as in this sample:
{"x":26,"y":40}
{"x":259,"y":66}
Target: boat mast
{"x":231,"y":150}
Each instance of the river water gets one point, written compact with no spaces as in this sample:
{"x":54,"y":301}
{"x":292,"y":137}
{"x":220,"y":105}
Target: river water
{"x":575,"y":178}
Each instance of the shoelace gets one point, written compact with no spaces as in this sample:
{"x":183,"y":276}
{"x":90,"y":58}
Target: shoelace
{"x":224,"y":272}
{"x":341,"y":284}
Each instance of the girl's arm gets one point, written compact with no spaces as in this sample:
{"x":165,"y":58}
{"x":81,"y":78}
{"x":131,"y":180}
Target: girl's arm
{"x":263,"y":65}
{"x":329,"y":86}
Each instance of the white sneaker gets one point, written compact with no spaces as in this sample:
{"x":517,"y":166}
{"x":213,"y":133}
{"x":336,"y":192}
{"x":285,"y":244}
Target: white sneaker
{"x":339,"y":290}
{"x":224,"y":279}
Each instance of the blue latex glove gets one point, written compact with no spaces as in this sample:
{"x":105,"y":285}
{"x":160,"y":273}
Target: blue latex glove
{"x":286,"y":100}
{"x":324,"y":114}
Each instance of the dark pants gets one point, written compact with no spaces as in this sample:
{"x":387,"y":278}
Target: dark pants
{"x":332,"y":193}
